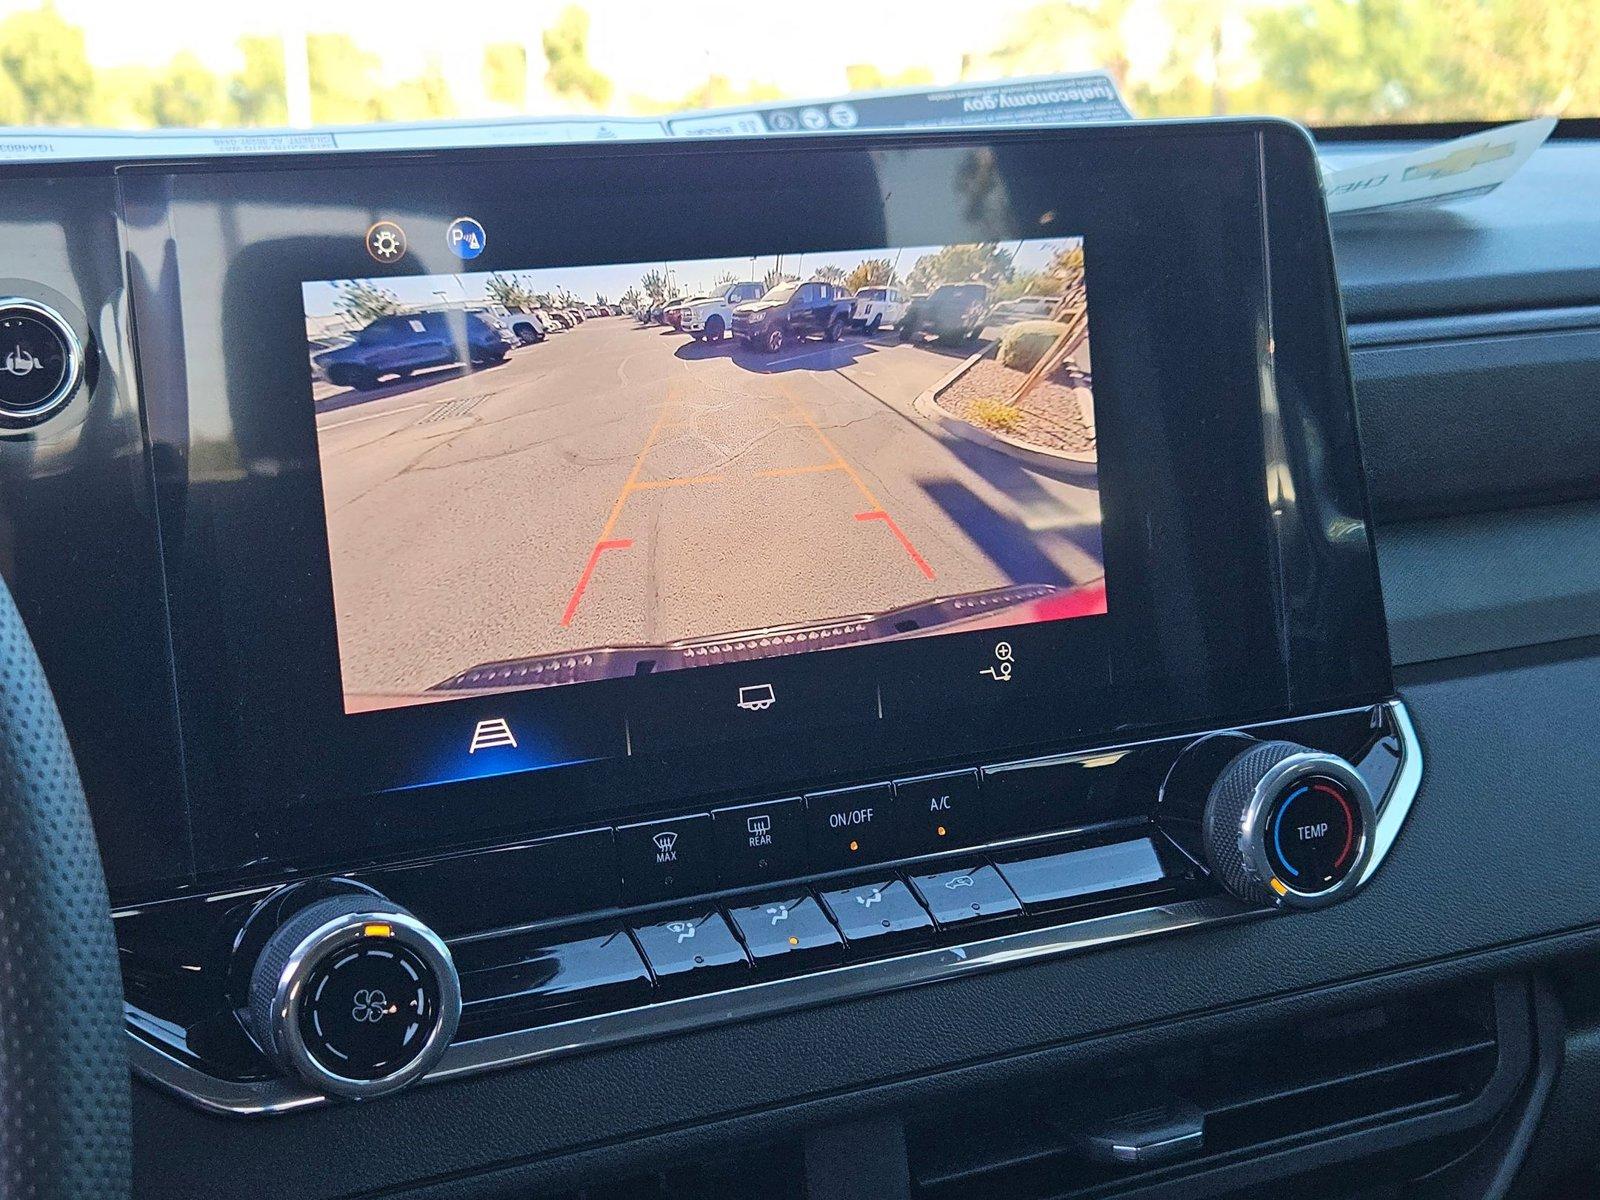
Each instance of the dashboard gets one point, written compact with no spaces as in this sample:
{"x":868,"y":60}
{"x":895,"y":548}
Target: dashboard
{"x":722,"y":733}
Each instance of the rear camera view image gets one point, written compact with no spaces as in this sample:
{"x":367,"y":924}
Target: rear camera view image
{"x":562,"y":475}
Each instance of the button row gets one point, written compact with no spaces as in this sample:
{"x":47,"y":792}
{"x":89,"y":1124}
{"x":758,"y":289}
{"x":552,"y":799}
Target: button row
{"x":782,"y":839}
{"x":711,"y":948}
{"x":753,"y":844}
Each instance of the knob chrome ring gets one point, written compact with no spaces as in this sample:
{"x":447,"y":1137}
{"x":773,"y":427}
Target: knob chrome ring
{"x":72,"y":368}
{"x":288,"y":1042}
{"x":1252,"y":832}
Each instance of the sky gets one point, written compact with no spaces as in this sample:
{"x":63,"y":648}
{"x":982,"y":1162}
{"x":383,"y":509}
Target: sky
{"x":1033,"y":254}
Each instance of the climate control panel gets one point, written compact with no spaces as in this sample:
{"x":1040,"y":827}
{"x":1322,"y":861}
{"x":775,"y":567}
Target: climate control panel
{"x":354,"y":985}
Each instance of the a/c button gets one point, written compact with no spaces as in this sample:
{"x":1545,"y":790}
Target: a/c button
{"x":851,"y":825}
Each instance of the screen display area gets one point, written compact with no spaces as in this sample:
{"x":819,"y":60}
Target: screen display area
{"x":556,"y":476}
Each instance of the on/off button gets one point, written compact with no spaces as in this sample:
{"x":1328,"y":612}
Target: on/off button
{"x":851,"y":825}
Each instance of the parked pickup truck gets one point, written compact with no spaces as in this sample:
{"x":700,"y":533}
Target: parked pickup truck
{"x":953,"y":312}
{"x":792,"y":311}
{"x":528,"y":326}
{"x":408,"y":342}
{"x":876,"y":307}
{"x":707,"y":318}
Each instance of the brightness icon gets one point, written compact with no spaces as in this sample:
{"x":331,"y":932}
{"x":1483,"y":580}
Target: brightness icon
{"x":490,"y":734}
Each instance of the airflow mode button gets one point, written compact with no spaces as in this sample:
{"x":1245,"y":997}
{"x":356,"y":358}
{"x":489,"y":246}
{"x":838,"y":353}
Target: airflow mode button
{"x":41,"y":362}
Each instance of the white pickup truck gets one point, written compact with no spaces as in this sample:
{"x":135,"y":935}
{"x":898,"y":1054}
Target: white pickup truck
{"x":876,"y":307}
{"x":711,"y":318}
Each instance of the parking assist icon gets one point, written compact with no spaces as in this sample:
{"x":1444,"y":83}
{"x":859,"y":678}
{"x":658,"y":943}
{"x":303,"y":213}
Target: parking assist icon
{"x":466,"y":238}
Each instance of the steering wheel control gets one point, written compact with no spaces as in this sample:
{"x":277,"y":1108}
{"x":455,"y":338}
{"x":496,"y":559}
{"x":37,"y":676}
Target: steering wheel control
{"x":355,"y":996}
{"x":41,"y":362}
{"x":1287,"y":826}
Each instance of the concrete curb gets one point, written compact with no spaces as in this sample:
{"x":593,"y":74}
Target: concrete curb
{"x":1057,"y":464}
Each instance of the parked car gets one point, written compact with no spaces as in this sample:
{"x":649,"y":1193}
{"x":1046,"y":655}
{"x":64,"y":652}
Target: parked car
{"x":407,"y":342}
{"x":710,"y":317}
{"x":1024,"y":308}
{"x":792,"y":311}
{"x":876,"y":307}
{"x":526,"y":325}
{"x":672,"y":311}
{"x":953,"y":312}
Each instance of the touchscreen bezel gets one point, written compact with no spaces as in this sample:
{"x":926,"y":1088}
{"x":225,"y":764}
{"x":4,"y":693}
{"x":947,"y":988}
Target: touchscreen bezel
{"x":1240,"y":577}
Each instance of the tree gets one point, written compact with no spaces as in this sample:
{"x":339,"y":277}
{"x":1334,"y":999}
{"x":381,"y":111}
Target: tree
{"x":985,"y":262}
{"x":1046,"y":38}
{"x":505,"y":75}
{"x":600,"y":299}
{"x":566,"y":49}
{"x":872,"y":272}
{"x":184,"y":95}
{"x":363,"y":301}
{"x":1356,"y":61}
{"x":631,"y":298}
{"x":723,"y":280}
{"x":345,"y":88}
{"x":508,"y":291}
{"x":257,"y":93}
{"x":654,"y":284}
{"x":775,"y":277}
{"x":829,"y":273}
{"x":45,"y":76}
{"x":867,"y":77}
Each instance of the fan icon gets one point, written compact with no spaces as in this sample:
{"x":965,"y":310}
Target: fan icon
{"x":386,"y":242}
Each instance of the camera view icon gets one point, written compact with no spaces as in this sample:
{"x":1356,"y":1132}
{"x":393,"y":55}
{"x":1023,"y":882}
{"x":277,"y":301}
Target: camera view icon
{"x":491,"y":734}
{"x":756,"y":697}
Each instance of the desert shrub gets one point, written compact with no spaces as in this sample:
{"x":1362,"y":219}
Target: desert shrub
{"x":1025,"y":343}
{"x":998,"y":415}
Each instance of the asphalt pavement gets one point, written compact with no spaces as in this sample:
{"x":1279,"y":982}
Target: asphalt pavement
{"x":620,"y":485}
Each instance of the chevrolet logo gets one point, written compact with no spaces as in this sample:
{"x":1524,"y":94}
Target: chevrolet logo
{"x":1460,"y":161}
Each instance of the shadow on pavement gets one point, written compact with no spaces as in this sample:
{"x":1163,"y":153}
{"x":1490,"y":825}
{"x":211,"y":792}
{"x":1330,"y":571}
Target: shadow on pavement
{"x":350,"y":397}
{"x":1011,"y":544}
{"x":811,"y":354}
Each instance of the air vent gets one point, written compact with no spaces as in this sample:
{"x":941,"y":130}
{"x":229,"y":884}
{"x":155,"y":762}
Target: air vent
{"x":1401,"y":1087}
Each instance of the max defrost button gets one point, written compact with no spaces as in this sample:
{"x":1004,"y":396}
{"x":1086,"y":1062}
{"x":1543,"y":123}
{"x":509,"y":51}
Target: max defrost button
{"x":760,"y":842}
{"x":851,"y":825}
{"x":664,"y":859}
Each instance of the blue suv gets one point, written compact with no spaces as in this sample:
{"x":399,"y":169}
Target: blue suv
{"x":406,"y":342}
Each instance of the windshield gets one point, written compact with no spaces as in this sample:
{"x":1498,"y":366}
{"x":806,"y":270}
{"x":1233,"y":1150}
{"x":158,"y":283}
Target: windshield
{"x":782,"y":292}
{"x":184,"y":63}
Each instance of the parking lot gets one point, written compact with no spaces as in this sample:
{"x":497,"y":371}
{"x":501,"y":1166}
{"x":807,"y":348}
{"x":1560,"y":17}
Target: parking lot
{"x":622,"y":484}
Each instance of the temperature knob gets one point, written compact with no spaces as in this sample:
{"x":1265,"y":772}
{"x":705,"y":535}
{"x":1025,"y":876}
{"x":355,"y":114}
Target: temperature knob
{"x":1287,"y":826}
{"x":355,"y":996}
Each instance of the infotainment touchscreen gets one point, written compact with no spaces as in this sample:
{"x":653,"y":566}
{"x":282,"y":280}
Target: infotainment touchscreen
{"x":557,"y":475}
{"x":519,"y":488}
